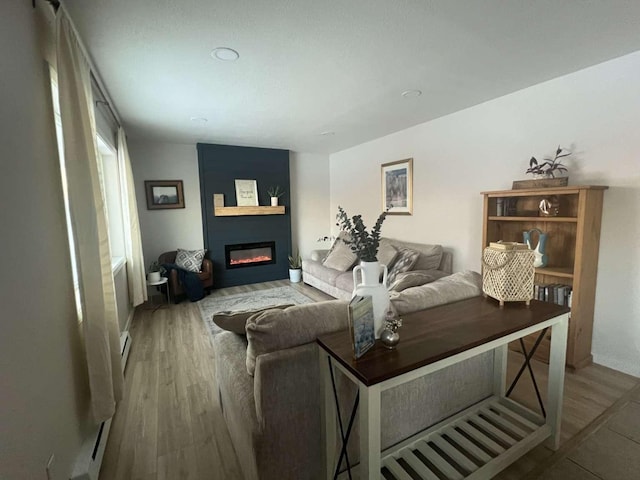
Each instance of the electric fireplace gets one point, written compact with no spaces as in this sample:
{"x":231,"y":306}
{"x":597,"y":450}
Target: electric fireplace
{"x":250,"y":254}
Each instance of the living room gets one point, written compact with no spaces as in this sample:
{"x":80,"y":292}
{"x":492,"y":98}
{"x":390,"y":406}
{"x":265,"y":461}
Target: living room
{"x":479,"y":145}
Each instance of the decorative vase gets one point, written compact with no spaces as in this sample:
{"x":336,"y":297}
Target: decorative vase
{"x":274,"y":201}
{"x":295,"y":275}
{"x":154,"y":277}
{"x":377,"y":291}
{"x":389,"y":338}
{"x":541,"y":259}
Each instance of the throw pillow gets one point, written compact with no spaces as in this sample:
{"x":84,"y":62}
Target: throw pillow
{"x":405,"y":261}
{"x":190,"y":260}
{"x":415,"y":278}
{"x":387,"y":254}
{"x":235,"y":321}
{"x":340,"y":257}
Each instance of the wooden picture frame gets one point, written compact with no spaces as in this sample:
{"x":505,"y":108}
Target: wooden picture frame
{"x":164,"y":194}
{"x":397,"y":187}
{"x":246,"y":193}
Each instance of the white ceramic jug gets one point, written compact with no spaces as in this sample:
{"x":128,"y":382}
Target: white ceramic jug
{"x":371,"y":286}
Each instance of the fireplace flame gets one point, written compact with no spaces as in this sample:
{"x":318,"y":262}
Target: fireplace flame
{"x":256,"y":259}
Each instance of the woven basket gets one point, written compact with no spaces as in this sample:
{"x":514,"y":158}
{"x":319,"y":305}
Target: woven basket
{"x":507,"y":275}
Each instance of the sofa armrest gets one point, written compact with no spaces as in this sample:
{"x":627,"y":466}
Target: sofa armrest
{"x":207,"y":266}
{"x":318,"y":255}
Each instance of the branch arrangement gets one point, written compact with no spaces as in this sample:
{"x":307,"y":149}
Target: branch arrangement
{"x":362,"y":243}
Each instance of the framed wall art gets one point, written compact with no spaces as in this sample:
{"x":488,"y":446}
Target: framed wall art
{"x":246,"y":193}
{"x":163,"y":194}
{"x":397,"y":187}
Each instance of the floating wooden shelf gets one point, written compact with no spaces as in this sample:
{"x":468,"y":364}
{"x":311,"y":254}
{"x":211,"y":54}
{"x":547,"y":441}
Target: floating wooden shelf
{"x":562,"y":272}
{"x":240,"y":211}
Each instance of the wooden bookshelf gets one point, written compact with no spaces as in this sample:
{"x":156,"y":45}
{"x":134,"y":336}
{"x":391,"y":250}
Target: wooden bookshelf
{"x":240,"y":211}
{"x":573,"y":244}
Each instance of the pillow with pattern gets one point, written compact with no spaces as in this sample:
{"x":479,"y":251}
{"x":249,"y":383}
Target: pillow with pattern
{"x":190,"y":260}
{"x":404,"y":262}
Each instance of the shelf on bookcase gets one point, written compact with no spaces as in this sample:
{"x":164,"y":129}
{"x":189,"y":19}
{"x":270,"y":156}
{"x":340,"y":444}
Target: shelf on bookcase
{"x":535,"y":219}
{"x":564,"y":272}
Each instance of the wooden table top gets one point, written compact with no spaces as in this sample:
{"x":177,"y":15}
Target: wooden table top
{"x":431,"y":335}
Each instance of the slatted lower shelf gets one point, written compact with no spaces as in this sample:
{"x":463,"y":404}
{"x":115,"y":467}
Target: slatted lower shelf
{"x":474,"y":444}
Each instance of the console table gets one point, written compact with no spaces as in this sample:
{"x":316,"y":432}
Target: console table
{"x":431,"y":340}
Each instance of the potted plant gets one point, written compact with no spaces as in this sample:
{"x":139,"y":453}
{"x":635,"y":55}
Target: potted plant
{"x":362,"y":243}
{"x":365,"y":245}
{"x":295,"y":267}
{"x":549,"y":167}
{"x":275,"y":193}
{"x":155,"y":270}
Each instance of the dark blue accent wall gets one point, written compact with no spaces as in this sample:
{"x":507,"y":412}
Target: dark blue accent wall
{"x":220,"y":166}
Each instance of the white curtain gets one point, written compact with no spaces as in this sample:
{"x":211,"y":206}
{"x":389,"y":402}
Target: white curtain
{"x":132,"y":239}
{"x":89,"y":223}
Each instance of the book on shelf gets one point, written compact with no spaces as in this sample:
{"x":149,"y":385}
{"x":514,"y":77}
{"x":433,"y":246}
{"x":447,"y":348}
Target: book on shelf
{"x":553,"y":293}
{"x":361,"y":324}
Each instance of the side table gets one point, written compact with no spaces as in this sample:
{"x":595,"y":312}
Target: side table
{"x":163,"y":281}
{"x":440,"y":337}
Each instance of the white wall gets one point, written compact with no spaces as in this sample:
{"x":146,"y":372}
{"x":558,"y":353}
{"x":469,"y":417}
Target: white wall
{"x":594,"y":112}
{"x":165,"y":230}
{"x":309,"y":200}
{"x":44,"y":406}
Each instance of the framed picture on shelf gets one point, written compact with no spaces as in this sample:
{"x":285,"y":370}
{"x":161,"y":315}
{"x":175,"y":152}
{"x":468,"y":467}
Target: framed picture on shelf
{"x":246,"y":193}
{"x":163,"y":194}
{"x":397,"y":187}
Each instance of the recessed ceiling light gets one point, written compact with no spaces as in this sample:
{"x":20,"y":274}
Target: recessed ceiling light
{"x":199,"y":119}
{"x":411,"y":93}
{"x":328,"y":133}
{"x":226,"y":54}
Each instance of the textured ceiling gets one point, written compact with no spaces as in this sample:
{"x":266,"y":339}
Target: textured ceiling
{"x":308,"y":67}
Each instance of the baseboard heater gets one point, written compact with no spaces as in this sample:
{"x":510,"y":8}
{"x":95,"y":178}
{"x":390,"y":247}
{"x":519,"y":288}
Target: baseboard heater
{"x":90,"y":458}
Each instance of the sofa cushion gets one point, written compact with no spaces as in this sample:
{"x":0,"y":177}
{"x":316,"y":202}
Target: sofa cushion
{"x":341,"y":257}
{"x":430,"y":255}
{"x":344,"y":281}
{"x":415,"y":278}
{"x":327,"y":275}
{"x":405,"y":261}
{"x":451,"y":288}
{"x":387,"y":254}
{"x":190,"y":260}
{"x":235,"y":321}
{"x":274,"y":330}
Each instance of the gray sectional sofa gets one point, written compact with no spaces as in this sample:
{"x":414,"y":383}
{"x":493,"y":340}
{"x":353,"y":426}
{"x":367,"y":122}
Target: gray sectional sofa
{"x":339,"y":284}
{"x":269,"y":383}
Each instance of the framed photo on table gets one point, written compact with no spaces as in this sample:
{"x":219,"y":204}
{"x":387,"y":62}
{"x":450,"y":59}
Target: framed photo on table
{"x":246,"y":193}
{"x":162,"y":194}
{"x":397,"y":187}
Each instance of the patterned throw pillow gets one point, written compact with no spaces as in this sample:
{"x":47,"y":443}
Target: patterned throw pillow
{"x":405,"y":261}
{"x":190,"y":260}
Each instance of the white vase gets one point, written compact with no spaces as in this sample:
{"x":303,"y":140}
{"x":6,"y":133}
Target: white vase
{"x":295,"y":275}
{"x":154,"y":277}
{"x":274,"y":201}
{"x":371,"y":286}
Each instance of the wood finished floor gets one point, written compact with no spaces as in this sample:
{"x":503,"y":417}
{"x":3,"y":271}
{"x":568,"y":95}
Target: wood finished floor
{"x":169,"y":424}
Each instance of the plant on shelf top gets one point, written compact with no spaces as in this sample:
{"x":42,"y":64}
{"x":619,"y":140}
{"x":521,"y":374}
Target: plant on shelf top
{"x":549,"y":167}
{"x":295,"y":261}
{"x":276,"y":191}
{"x":362,"y":243}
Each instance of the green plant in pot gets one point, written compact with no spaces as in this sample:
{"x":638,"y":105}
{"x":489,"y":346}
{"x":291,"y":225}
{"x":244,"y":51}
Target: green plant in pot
{"x":550,"y":167}
{"x":361,"y":242}
{"x":155,"y":271}
{"x":275,"y":193}
{"x":295,"y":267}
{"x":365,"y":245}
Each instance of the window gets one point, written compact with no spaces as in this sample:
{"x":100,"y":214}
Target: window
{"x":65,"y":191}
{"x":110,"y":180}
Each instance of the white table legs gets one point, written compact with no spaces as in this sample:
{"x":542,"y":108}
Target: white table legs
{"x":556,"y":379}
{"x":369,"y":431}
